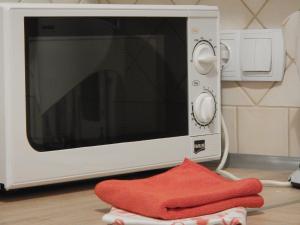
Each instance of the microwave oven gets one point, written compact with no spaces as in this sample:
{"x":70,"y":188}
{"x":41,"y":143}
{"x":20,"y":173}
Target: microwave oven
{"x":97,"y":90}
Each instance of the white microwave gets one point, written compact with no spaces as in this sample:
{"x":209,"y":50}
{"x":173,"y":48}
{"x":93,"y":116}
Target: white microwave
{"x":96,"y":90}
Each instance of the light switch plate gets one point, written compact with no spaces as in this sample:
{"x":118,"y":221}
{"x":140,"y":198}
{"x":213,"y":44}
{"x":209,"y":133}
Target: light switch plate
{"x":260,"y":55}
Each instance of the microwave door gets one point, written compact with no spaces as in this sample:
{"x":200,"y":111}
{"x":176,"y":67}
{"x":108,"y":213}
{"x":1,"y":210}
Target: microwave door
{"x":91,"y":86}
{"x":108,"y":90}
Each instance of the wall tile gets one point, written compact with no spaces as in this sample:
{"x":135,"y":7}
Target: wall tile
{"x":282,"y":9}
{"x":65,"y":1}
{"x":294,"y":132}
{"x":287,"y":62}
{"x":254,"y":5}
{"x":36,"y":1}
{"x":255,"y":25}
{"x":89,"y":1}
{"x":229,"y":114}
{"x":285,"y":93}
{"x":263,"y":131}
{"x":185,"y":2}
{"x":256,"y":90}
{"x":122,"y":1}
{"x":155,"y":2}
{"x":232,"y":94}
{"x":234,"y":15}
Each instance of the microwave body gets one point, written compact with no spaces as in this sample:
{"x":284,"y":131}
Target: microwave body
{"x":97,"y":90}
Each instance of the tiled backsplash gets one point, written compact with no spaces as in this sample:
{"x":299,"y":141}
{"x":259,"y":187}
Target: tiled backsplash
{"x":262,"y":117}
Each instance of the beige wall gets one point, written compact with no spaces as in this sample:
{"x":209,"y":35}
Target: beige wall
{"x":263,"y":117}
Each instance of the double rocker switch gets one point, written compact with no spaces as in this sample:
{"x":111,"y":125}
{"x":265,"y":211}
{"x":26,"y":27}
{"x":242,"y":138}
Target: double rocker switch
{"x":252,"y":55}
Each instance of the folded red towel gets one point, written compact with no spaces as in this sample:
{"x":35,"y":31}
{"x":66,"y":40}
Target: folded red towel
{"x":187,"y":190}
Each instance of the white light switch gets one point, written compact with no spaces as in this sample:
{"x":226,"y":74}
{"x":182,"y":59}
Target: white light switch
{"x":248,"y":54}
{"x":263,"y":54}
{"x":256,"y":54}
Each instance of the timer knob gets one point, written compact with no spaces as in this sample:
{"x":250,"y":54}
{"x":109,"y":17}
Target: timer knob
{"x":204,"y":57}
{"x":204,"y":108}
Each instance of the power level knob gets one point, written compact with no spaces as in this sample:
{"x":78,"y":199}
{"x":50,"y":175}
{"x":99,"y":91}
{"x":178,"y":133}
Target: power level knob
{"x":204,"y":108}
{"x":204,"y":57}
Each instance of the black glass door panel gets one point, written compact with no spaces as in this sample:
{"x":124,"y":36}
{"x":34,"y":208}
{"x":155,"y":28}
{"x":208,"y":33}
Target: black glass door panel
{"x":94,"y":81}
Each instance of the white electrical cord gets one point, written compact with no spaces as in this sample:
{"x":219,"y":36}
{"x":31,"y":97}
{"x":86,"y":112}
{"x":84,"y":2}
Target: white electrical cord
{"x":229,"y":175}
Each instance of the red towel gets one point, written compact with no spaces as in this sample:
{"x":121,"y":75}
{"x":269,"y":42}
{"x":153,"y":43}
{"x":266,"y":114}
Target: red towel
{"x":187,"y":190}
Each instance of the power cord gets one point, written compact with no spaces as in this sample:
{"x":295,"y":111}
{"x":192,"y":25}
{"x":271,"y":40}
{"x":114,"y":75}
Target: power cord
{"x":229,"y":175}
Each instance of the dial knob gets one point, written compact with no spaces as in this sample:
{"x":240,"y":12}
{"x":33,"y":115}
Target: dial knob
{"x":204,"y":57}
{"x":204,"y":108}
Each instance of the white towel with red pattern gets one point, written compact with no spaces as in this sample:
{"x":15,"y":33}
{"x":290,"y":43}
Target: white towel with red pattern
{"x":234,"y":216}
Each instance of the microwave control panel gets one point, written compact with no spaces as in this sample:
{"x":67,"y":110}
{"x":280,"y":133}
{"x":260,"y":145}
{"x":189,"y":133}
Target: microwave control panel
{"x":204,"y":76}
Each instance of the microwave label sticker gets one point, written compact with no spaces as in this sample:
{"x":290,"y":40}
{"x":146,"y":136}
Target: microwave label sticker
{"x":199,"y":146}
